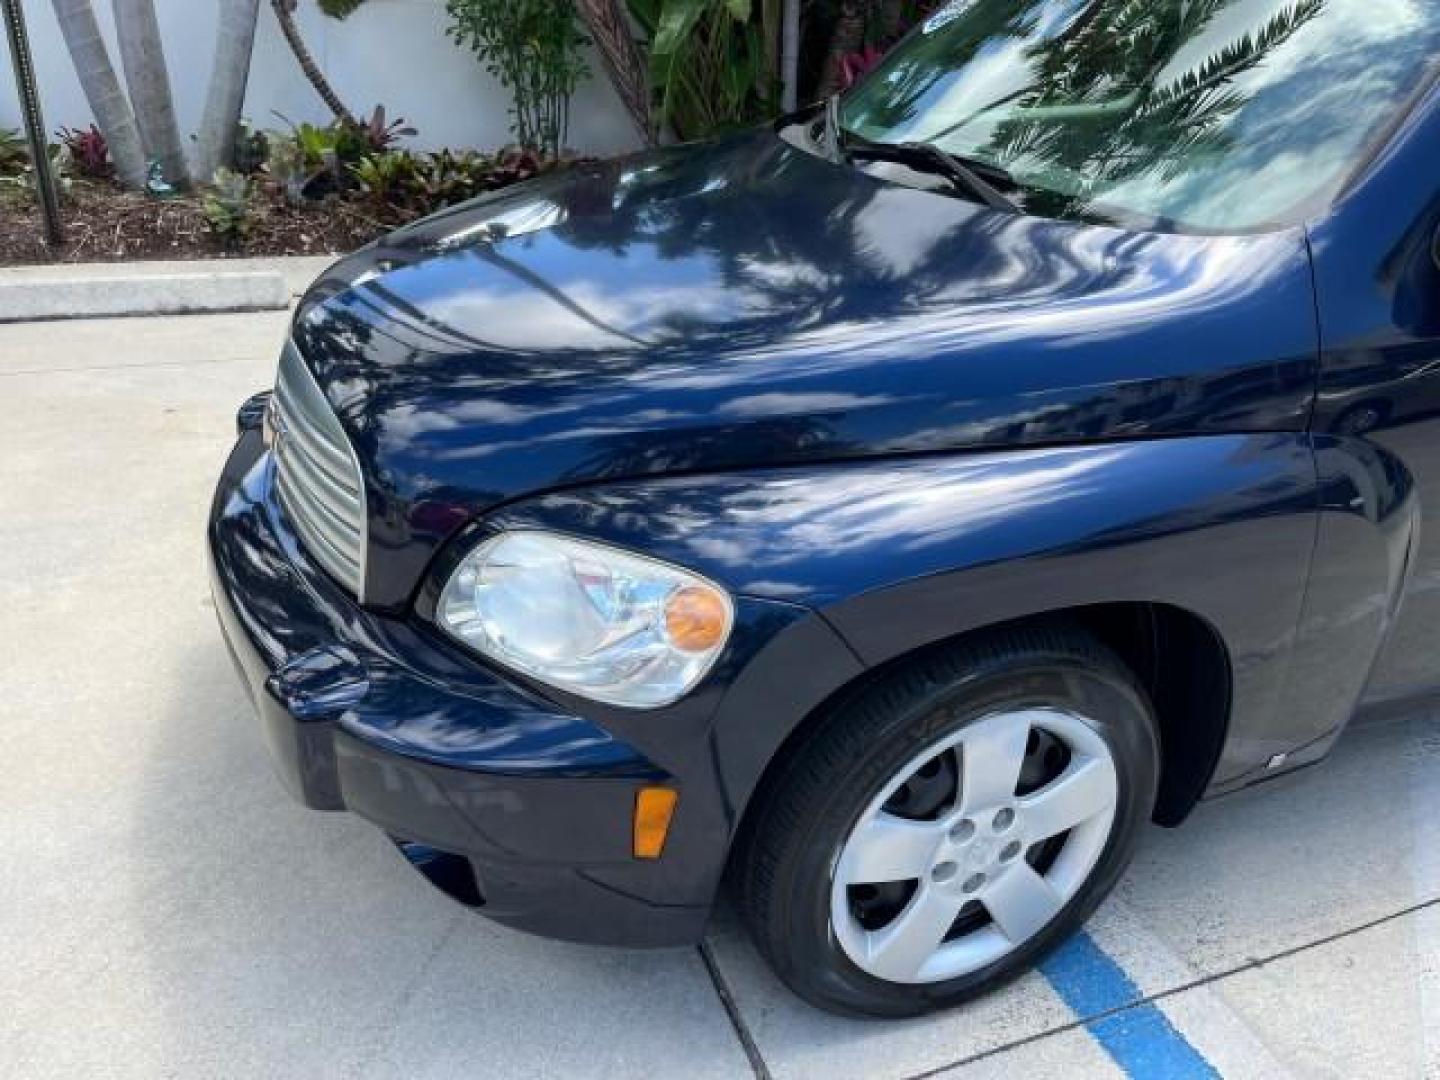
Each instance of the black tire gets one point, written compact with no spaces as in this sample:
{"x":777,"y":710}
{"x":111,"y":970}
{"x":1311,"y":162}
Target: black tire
{"x":808,"y":806}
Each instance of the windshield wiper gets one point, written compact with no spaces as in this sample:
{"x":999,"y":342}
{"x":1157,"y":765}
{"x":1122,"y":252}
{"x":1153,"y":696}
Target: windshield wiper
{"x":930,"y":157}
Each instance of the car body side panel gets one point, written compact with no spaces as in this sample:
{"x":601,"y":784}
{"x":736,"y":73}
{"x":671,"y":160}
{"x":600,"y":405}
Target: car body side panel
{"x":1378,"y":287}
{"x":1368,"y":528}
{"x":903,"y":553}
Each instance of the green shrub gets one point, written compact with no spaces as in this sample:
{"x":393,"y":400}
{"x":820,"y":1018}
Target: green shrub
{"x":312,"y":161}
{"x":62,"y":169}
{"x":227,"y":209}
{"x":252,"y":149}
{"x":389,"y":180}
{"x":536,"y":50}
{"x":401,"y":184}
{"x":14,"y":153}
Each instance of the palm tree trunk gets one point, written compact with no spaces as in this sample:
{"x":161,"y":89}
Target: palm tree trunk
{"x":143,"y":57}
{"x":285,"y":12}
{"x":102,"y":89}
{"x":790,"y":56}
{"x":609,"y":26}
{"x":234,"y":43}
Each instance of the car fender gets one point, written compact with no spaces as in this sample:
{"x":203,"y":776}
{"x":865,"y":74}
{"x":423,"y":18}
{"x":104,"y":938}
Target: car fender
{"x":896,"y":554}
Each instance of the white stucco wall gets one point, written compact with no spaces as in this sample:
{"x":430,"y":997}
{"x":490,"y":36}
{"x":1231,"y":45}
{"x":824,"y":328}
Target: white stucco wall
{"x":392,"y":52}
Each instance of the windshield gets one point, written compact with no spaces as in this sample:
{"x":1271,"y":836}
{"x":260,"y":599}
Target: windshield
{"x":1211,"y":115}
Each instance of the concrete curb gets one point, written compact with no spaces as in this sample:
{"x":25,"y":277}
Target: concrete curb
{"x":118,"y":290}
{"x":160,"y":294}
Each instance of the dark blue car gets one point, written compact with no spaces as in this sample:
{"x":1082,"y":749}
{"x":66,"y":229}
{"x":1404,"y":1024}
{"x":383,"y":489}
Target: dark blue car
{"x":886,"y":513}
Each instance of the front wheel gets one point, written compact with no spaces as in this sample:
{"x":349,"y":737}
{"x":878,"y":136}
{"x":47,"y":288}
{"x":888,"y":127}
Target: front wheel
{"x":944,"y":829}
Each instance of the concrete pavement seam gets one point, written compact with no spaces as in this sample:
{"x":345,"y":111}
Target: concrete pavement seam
{"x":1253,"y":964}
{"x":732,"y":1010}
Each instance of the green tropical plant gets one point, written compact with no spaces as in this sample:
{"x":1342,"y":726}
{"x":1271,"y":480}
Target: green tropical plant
{"x":226,"y":208}
{"x":388,"y":179}
{"x":535,"y":48}
{"x":252,"y":149}
{"x":14,"y":155}
{"x":710,"y":64}
{"x":403,"y":184}
{"x":62,"y":168}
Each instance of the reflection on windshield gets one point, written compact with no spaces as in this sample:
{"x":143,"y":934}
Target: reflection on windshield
{"x":1203,"y":114}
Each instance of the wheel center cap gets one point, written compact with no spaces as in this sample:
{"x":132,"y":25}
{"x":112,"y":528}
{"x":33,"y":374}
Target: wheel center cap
{"x":981,"y":853}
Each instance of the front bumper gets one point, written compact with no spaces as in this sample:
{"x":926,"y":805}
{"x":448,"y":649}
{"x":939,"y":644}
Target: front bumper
{"x":379,"y":717}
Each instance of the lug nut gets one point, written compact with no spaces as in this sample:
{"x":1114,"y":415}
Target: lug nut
{"x":973,"y":883}
{"x":962,"y":832}
{"x":943,"y":872}
{"x":1010,"y":851}
{"x":1004,"y":819}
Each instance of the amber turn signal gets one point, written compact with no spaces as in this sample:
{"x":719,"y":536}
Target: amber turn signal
{"x":654,"y":807}
{"x":696,"y":618}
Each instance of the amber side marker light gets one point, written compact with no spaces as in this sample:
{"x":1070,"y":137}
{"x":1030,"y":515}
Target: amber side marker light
{"x":654,"y":807}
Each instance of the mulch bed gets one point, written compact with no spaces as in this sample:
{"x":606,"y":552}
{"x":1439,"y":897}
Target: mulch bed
{"x":104,"y":224}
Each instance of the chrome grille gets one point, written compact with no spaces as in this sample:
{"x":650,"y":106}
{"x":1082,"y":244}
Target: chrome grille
{"x":317,"y":476}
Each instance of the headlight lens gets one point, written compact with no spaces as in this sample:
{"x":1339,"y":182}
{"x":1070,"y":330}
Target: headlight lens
{"x":586,"y":617}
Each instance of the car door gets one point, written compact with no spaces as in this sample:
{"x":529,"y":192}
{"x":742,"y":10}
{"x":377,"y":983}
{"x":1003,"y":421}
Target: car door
{"x":1377,"y":275}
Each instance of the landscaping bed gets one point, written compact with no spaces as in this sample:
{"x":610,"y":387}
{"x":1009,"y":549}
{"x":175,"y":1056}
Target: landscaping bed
{"x":104,"y":224}
{"x":309,"y":191}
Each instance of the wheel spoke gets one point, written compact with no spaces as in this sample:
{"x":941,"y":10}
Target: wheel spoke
{"x":1083,"y":790}
{"x":1020,"y":901}
{"x":899,"y":950}
{"x":888,"y":848}
{"x":990,"y":760}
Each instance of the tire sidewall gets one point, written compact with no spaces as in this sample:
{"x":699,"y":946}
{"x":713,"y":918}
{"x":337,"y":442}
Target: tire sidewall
{"x":1106,"y":700}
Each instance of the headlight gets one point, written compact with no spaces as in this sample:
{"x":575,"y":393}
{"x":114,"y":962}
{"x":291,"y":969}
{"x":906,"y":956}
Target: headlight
{"x":587,"y":618}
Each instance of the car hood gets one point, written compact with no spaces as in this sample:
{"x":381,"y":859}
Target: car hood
{"x":745,"y":303}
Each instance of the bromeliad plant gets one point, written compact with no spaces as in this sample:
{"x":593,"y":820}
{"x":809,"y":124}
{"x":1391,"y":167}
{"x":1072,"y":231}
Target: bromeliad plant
{"x":89,"y":153}
{"x":536,"y":50}
{"x":315,"y":160}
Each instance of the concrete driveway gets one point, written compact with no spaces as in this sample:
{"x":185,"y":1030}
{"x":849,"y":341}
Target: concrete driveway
{"x":166,"y":911}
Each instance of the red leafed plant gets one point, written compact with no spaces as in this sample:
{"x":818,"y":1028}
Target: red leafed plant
{"x":89,"y":152}
{"x":855,"y":66}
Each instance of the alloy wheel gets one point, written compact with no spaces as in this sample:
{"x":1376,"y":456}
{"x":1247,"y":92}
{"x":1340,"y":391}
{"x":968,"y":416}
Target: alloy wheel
{"x":974,"y":846}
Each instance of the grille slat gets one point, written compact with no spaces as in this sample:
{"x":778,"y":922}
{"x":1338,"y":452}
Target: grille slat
{"x":317,"y":476}
{"x":336,"y":531}
{"x":323,"y":547}
{"x":337,"y":462}
{"x":336,"y":496}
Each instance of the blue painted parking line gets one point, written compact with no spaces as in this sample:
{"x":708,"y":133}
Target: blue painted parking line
{"x":1141,"y":1040}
